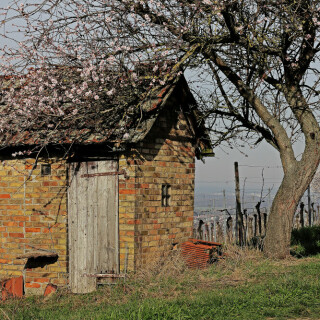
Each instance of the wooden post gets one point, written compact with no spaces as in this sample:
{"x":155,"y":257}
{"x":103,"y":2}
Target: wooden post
{"x":309,"y":208}
{"x":219,"y":232}
{"x":301,"y":215}
{"x":250,"y":229}
{"x":313,"y":213}
{"x":229,"y":229}
{"x":239,"y":217}
{"x":245,"y":215}
{"x":200,"y":232}
{"x":207,"y":231}
{"x":265,"y":219}
{"x":255,"y":225}
{"x":296,"y":222}
{"x":212,"y":231}
{"x":259,"y":217}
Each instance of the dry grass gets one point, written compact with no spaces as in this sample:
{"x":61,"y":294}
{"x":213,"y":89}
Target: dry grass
{"x":166,"y":282}
{"x":169,"y":277}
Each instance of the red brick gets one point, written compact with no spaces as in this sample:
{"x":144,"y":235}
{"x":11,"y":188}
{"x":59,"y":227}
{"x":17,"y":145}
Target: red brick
{"x":20,"y":218}
{"x":11,"y":224}
{"x":16,"y":235}
{"x":50,"y":289}
{"x":127,"y":191}
{"x":33,"y":229}
{"x":50,"y":183}
{"x":41,"y":280}
{"x":5,"y":196}
{"x":12,"y":287}
{"x":134,"y":221}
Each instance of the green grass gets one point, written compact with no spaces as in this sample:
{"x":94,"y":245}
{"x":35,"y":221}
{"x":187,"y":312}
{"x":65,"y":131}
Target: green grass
{"x":244,"y":286}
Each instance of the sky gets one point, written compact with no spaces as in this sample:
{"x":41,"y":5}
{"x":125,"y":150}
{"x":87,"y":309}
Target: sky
{"x":217,"y":173}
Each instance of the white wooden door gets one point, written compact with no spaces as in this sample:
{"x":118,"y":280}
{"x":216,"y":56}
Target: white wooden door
{"x":92,"y":222}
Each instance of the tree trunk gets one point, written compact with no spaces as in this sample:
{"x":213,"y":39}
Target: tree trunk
{"x":280,"y":222}
{"x":277,"y":240}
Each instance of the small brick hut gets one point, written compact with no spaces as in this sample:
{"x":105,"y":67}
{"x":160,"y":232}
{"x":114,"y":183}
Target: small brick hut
{"x":122,"y":196}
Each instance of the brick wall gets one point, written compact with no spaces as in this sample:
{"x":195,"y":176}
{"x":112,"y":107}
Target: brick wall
{"x":165,"y":157}
{"x":32,"y":216}
{"x":33,"y":207}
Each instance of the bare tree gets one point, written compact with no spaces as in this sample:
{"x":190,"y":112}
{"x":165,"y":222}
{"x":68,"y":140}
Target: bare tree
{"x":253,"y":67}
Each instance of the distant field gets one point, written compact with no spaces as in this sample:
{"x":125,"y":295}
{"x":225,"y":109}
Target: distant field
{"x":244,"y":286}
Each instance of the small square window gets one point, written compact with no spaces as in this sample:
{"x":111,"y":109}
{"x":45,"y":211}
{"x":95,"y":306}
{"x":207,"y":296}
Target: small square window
{"x":46,"y":169}
{"x":165,"y":195}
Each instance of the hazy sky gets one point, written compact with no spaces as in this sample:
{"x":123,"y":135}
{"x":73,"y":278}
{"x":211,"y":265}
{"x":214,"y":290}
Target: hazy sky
{"x":218,"y":172}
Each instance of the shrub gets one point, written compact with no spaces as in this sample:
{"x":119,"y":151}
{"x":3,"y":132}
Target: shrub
{"x":305,"y":241}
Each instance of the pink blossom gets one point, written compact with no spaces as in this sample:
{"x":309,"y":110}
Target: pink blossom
{"x":110,"y":92}
{"x":111,"y":59}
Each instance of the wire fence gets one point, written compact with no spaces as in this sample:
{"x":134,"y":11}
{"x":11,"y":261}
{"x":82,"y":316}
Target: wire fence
{"x":215,"y":211}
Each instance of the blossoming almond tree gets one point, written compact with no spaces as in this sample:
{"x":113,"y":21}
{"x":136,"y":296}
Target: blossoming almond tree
{"x":253,"y":62}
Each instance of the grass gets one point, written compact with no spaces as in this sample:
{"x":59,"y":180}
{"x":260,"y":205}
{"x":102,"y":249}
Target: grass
{"x":244,"y":286}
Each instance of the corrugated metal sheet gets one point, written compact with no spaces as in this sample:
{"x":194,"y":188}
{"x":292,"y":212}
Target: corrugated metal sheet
{"x":198,"y":254}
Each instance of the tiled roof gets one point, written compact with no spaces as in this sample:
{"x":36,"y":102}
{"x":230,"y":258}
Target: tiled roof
{"x":110,"y":125}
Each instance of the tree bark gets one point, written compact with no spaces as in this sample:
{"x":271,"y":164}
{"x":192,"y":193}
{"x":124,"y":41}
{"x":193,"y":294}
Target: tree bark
{"x":298,"y":174}
{"x":280,"y":223}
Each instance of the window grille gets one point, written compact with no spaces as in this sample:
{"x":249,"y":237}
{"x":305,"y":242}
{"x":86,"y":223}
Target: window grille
{"x":165,"y":195}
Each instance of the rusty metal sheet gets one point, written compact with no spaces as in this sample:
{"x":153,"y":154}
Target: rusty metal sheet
{"x":198,"y":254}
